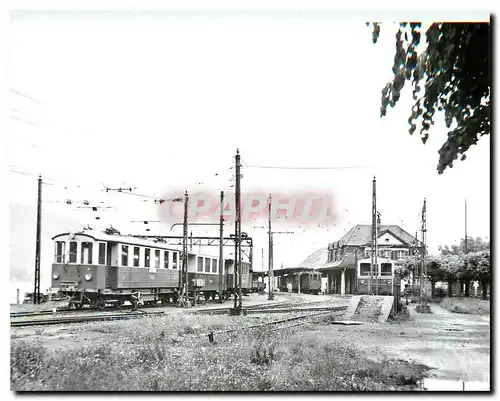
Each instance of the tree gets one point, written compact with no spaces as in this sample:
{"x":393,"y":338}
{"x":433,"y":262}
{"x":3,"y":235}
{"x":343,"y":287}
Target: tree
{"x":477,"y":266}
{"x":455,"y":71}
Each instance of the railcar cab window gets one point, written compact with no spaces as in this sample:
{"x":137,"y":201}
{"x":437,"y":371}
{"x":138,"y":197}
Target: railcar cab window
{"x":157,"y":258}
{"x":124,"y":255}
{"x":60,"y":251}
{"x":386,"y":269}
{"x":136,"y":256}
{"x":73,"y":245}
{"x":174,"y":260}
{"x":200,"y":264}
{"x":364,"y":269}
{"x":86,"y":253}
{"x":147,"y":257}
{"x":165,"y":259}
{"x":102,"y":253}
{"x":214,"y":265}
{"x":207,"y":265}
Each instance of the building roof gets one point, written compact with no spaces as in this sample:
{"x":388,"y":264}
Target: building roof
{"x":316,"y":259}
{"x":361,"y":234}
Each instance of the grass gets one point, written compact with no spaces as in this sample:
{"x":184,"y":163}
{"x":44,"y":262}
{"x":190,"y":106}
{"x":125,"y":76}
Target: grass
{"x":174,"y":354}
{"x":470,"y":306}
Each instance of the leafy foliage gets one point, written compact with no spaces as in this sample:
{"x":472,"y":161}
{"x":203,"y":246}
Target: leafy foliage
{"x":454,"y":71}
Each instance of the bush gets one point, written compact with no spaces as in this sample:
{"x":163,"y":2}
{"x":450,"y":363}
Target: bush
{"x":471,"y":306}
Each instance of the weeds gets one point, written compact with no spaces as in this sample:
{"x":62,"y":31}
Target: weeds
{"x":471,"y":306}
{"x":144,"y":357}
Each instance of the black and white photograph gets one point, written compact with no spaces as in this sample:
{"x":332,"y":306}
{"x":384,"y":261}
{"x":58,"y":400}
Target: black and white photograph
{"x":248,"y":199}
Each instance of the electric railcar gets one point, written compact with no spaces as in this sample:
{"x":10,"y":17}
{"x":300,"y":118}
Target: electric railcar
{"x":384,"y":282}
{"x":95,"y":268}
{"x":310,"y":282}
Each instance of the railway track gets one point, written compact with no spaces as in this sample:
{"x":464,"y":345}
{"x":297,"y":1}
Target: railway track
{"x":169,"y":306}
{"x":139,"y":314}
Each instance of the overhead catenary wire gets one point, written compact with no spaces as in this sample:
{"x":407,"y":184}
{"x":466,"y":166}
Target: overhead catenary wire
{"x":306,"y":167}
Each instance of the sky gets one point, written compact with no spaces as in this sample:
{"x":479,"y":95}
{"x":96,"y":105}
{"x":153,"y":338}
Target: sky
{"x":162,"y":100}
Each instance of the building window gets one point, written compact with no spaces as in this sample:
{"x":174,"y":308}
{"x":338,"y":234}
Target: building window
{"x":137,"y":252}
{"x":200,"y":264}
{"x":147,"y":257}
{"x":165,"y":261}
{"x":368,"y":253}
{"x":386,"y":269}
{"x":124,"y":255}
{"x":214,"y":265}
{"x":207,"y":265}
{"x":60,"y":251}
{"x":157,"y":258}
{"x":102,"y":253}
{"x":174,"y":260}
{"x":72,"y":251}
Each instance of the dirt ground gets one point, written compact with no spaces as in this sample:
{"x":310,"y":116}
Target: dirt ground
{"x":455,"y":346}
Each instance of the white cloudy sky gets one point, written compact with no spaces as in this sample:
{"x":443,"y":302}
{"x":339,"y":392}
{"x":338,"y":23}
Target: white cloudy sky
{"x":162,"y":100}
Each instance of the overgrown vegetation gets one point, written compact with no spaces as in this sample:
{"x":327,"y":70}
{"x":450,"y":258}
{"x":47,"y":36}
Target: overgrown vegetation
{"x":458,"y":262}
{"x":470,"y":306}
{"x":164,"y":355}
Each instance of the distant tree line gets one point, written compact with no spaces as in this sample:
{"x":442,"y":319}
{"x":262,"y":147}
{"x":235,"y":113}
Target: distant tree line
{"x":454,"y":263}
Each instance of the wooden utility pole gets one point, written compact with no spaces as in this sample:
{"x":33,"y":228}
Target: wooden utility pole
{"x":423,"y":298}
{"x":36,"y":292}
{"x":466,"y":226}
{"x":270,"y":256}
{"x":237,"y":239}
{"x":184,"y":299}
{"x":373,"y":264}
{"x":221,"y":246}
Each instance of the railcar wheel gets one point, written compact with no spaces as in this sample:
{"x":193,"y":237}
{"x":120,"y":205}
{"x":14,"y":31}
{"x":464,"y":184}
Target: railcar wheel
{"x":100,"y":304}
{"x":164,"y":300}
{"x":78,"y":305}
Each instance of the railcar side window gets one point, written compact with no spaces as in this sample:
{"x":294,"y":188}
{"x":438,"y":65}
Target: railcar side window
{"x":174,"y":260}
{"x":102,"y":253}
{"x":60,"y":251}
{"x":147,"y":257}
{"x":200,"y":264}
{"x":136,"y":256}
{"x":157,"y":258}
{"x":124,"y":255}
{"x":207,"y":265}
{"x":214,"y":265}
{"x":165,"y":261}
{"x":86,"y":253}
{"x":72,"y":251}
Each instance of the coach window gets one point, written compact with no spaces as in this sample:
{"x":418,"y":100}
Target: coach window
{"x":207,"y":265}
{"x":86,"y":253}
{"x":157,"y":258}
{"x":165,"y":261}
{"x":124,"y":255}
{"x":200,"y":264}
{"x":137,"y":252}
{"x":60,"y":250}
{"x":102,"y":253}
{"x":214,"y":265}
{"x":147,"y":257}
{"x":72,"y":251}
{"x":174,"y":260}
